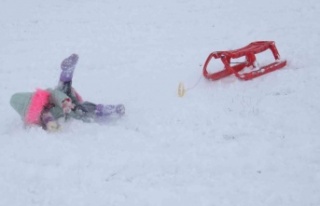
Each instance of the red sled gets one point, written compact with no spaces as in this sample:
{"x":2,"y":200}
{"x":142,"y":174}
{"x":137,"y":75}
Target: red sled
{"x":249,"y":53}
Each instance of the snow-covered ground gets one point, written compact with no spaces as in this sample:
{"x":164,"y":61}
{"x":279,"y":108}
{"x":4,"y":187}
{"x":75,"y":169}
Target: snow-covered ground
{"x":225,"y":143}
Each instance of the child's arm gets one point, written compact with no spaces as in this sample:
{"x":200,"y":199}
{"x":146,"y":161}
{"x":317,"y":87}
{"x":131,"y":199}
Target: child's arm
{"x":60,"y":99}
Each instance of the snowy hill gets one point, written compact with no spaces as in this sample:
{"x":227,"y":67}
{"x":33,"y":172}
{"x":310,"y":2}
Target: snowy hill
{"x":225,"y":143}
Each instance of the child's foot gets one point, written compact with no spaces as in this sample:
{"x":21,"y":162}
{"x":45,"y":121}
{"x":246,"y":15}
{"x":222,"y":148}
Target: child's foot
{"x":120,"y":109}
{"x":68,"y":65}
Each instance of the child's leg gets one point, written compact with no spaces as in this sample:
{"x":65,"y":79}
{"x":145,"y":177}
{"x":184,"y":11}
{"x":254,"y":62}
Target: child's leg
{"x":85,"y":108}
{"x":67,"y":68}
{"x":88,"y":110}
{"x":100,"y":109}
{"x":65,"y":87}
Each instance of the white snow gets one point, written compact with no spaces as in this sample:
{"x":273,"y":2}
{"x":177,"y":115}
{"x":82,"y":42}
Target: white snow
{"x":225,"y":143}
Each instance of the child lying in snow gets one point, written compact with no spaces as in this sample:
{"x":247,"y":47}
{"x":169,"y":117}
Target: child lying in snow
{"x":45,"y":107}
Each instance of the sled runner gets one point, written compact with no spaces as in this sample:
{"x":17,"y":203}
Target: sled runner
{"x":249,"y":53}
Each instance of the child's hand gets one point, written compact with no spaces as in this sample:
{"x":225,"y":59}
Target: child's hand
{"x":52,"y":126}
{"x":67,"y":105}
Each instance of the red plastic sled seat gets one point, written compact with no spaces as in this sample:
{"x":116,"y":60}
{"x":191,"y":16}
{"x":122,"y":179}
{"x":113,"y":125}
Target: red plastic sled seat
{"x":249,"y":52}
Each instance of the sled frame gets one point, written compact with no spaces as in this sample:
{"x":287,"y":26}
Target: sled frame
{"x":249,"y":52}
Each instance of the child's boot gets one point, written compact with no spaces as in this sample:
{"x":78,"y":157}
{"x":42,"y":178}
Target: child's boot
{"x":120,"y":109}
{"x":67,"y":66}
{"x":108,"y":110}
